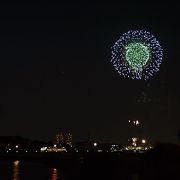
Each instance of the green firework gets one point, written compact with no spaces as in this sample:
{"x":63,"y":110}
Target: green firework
{"x":137,"y":55}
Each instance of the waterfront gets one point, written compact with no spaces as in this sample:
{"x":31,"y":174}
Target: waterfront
{"x":160,"y":163}
{"x":18,"y":170}
{"x":89,"y":166}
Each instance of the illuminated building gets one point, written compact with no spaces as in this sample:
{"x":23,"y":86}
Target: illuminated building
{"x":108,"y":147}
{"x":68,"y":139}
{"x":64,"y":139}
{"x":53,"y":149}
{"x":59,"y":139}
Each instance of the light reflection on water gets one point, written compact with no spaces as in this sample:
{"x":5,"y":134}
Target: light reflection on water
{"x":18,"y":173}
{"x":16,"y":170}
{"x":54,"y":174}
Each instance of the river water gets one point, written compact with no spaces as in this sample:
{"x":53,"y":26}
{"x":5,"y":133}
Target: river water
{"x":28,"y":170}
{"x":18,"y":170}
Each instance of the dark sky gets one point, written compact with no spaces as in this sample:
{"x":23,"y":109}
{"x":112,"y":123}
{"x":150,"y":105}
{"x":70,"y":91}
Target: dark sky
{"x":56,"y":75}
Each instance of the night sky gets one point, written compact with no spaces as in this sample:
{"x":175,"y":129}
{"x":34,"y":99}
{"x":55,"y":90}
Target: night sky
{"x":56,"y":75}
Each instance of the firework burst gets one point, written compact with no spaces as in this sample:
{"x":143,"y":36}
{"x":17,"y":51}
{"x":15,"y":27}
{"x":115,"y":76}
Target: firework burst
{"x":137,"y":54}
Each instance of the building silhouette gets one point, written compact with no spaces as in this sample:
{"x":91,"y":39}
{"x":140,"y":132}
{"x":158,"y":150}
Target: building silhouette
{"x":64,"y":139}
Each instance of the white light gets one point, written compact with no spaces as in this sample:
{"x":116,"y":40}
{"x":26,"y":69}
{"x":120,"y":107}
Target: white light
{"x":43,"y":149}
{"x":134,"y":139}
{"x":95,"y":144}
{"x":16,"y":146}
{"x":143,"y":141}
{"x":16,"y":163}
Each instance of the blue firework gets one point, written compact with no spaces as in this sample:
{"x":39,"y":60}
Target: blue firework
{"x":137,"y":54}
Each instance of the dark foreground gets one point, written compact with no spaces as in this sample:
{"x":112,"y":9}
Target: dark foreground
{"x":163,"y":162}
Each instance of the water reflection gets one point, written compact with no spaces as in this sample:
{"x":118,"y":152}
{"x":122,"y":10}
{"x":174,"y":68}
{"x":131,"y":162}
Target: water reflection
{"x":54,"y":174}
{"x":16,"y":170}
